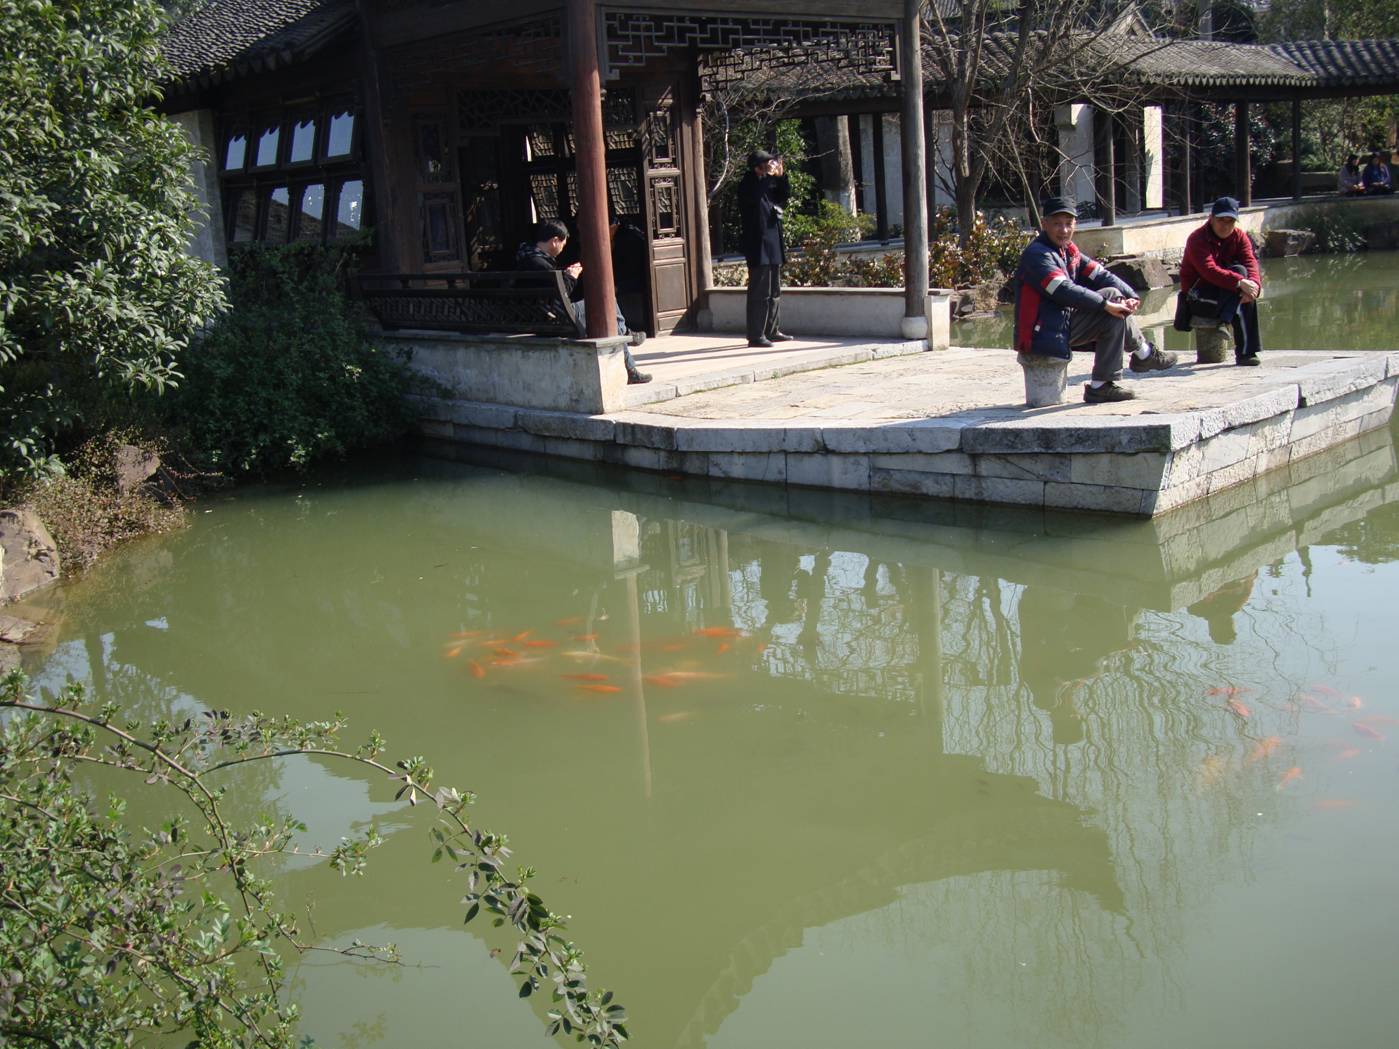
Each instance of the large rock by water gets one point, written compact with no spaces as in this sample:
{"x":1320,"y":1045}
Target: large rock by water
{"x":28,"y":554}
{"x":1142,"y":272}
{"x":1382,"y":236}
{"x":1279,"y":243}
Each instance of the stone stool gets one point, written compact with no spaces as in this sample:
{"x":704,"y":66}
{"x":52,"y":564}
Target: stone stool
{"x":1046,"y":378}
{"x":1213,"y":343}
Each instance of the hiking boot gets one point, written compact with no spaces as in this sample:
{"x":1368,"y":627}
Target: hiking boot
{"x":1251,"y":361}
{"x":1156,"y":361}
{"x":636,"y":337}
{"x":1106,"y":393}
{"x":637,"y":378}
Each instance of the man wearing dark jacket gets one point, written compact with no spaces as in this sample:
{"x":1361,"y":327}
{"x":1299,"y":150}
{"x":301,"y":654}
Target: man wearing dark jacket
{"x":762,"y":194}
{"x":1220,"y":284}
{"x":549,"y":239}
{"x":1063,"y":299}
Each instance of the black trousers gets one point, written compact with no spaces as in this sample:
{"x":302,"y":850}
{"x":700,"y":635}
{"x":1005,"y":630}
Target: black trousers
{"x":764,"y":301}
{"x":1214,"y":303}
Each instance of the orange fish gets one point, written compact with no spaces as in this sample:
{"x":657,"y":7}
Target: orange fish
{"x":1315,"y":705}
{"x":540,"y":644}
{"x":521,"y":635}
{"x":569,"y":621}
{"x":1367,"y":730}
{"x":679,"y":715}
{"x":1355,"y":703}
{"x":662,"y":680}
{"x":599,"y":688}
{"x":1325,"y":690}
{"x":1333,"y":804}
{"x":674,"y":646}
{"x":1226,"y":690}
{"x":724,"y":646}
{"x":585,"y":637}
{"x":1235,"y":707}
{"x":516,"y":662}
{"x":584,"y":677}
{"x":1265,"y":747}
{"x":1294,"y":773}
{"x":452,"y":651}
{"x":477,"y":670}
{"x":718,"y":631}
{"x":504,"y":653}
{"x":1348,"y":753}
{"x":693,"y":675}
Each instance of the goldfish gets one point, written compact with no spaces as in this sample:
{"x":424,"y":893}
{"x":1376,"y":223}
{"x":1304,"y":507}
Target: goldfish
{"x":679,"y":715}
{"x":662,"y":680}
{"x":569,"y":621}
{"x":516,"y":662}
{"x":1225,"y":690}
{"x":724,"y":646}
{"x":521,"y":635}
{"x":718,"y":631}
{"x":1333,"y":804}
{"x":674,"y":646}
{"x":1367,"y":730}
{"x":1348,"y":753}
{"x":1265,"y":747}
{"x":1235,"y":707}
{"x":584,"y":677}
{"x":477,"y":670}
{"x":585,"y":637}
{"x":452,"y":651}
{"x":583,"y":654}
{"x":1355,"y":703}
{"x":693,"y":675}
{"x":540,"y":644}
{"x":1325,"y":690}
{"x":600,"y":688}
{"x":1294,"y":773}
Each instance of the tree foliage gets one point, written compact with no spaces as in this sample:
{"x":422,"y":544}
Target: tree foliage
{"x":109,"y":936}
{"x":97,"y":295}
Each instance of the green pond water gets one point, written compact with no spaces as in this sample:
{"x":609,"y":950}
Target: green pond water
{"x":902,"y":774}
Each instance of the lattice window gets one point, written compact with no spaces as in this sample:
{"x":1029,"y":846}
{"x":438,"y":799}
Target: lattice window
{"x":665,"y":207}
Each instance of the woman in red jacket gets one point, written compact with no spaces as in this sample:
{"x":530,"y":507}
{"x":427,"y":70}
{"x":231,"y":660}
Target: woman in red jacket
{"x":1220,"y":282}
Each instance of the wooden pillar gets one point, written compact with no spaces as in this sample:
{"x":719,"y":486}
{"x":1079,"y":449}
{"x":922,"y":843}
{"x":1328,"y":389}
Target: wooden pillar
{"x":1108,"y":194}
{"x":699,"y":184}
{"x":1187,"y":147}
{"x":600,"y":293}
{"x":881,"y":187}
{"x":1243,"y":179}
{"x":1297,"y":149}
{"x":915,"y":323}
{"x":376,"y":148}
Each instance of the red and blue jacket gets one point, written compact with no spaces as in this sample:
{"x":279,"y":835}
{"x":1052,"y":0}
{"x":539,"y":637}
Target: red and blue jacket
{"x":1049,"y":285}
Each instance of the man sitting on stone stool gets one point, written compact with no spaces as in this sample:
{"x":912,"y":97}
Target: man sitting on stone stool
{"x":1063,"y":300}
{"x":1219,"y":285}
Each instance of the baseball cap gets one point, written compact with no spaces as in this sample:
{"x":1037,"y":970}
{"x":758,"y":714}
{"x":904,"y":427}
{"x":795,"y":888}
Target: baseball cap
{"x":1058,"y":205}
{"x":759,"y":156}
{"x":1224,"y":208}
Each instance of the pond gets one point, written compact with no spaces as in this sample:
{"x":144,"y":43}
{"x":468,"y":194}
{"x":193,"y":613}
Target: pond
{"x":879,"y":776}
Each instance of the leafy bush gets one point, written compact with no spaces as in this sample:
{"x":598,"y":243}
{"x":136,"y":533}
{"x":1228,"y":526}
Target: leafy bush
{"x":1338,"y":231}
{"x":97,"y":296}
{"x":289,"y":375}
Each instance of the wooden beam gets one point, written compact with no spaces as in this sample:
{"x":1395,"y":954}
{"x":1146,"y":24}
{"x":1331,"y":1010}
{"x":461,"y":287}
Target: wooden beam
{"x":599,"y":287}
{"x":1296,"y":149}
{"x":915,"y":177}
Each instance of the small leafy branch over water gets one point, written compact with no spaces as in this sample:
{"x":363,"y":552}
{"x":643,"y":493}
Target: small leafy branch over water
{"x":107,"y":934}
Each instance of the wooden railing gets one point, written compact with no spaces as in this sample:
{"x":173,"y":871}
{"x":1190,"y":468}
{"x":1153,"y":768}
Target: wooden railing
{"x":523,"y":302}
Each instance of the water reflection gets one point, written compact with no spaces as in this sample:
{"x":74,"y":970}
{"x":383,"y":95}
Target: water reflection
{"x":851,"y":742}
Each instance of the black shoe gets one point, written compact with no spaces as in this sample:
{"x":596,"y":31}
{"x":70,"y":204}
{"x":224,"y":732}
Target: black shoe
{"x":637,"y":378}
{"x":636,"y":337}
{"x":762,"y":343}
{"x":1156,"y":361}
{"x":780,"y":336}
{"x":1251,"y":361}
{"x":1106,"y":393}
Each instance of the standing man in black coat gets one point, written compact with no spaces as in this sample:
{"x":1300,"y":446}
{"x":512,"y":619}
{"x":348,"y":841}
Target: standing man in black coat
{"x":762,"y":193}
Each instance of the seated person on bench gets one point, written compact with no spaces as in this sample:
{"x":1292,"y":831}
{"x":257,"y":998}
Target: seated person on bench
{"x":542,"y":253}
{"x":1220,"y":282}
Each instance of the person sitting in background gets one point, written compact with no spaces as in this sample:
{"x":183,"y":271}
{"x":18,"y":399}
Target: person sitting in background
{"x":1376,"y":176}
{"x":548,"y":239}
{"x":1348,"y":179}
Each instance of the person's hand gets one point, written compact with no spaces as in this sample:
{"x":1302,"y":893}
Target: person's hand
{"x":775,"y":166}
{"x":1120,"y":307}
{"x":574,"y":269}
{"x":1249,"y":290}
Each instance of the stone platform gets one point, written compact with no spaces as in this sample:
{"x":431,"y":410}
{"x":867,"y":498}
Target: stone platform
{"x":952,"y":425}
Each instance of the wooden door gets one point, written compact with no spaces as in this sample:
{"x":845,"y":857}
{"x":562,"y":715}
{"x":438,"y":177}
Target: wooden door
{"x":664,"y":189}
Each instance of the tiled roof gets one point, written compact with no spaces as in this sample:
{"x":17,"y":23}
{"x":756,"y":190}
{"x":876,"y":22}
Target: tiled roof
{"x":1345,"y":63}
{"x":236,"y":36}
{"x":1202,"y":63}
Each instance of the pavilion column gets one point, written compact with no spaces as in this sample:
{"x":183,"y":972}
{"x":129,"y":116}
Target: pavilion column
{"x":599,"y":289}
{"x":1243,"y":178}
{"x":915,"y":322}
{"x":881,"y":183}
{"x":1297,"y":149}
{"x":1153,"y":143}
{"x":1187,"y":145}
{"x":1108,"y":196}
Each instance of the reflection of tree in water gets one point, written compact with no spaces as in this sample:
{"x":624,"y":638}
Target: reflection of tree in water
{"x":1372,"y":540}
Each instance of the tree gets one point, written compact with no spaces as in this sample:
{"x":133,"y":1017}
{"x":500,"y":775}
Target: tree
{"x":108,"y":936}
{"x":98,"y":297}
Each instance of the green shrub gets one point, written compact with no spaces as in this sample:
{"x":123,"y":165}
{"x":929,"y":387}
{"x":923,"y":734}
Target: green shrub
{"x":289,"y":375}
{"x":1338,"y":231}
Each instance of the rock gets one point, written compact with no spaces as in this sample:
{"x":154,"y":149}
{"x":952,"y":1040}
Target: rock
{"x":15,"y":631}
{"x":1046,"y":379}
{"x":1213,"y":344}
{"x":1278,"y":243}
{"x":134,"y":466}
{"x":1142,"y":272}
{"x":30,"y":557}
{"x":1382,"y":236}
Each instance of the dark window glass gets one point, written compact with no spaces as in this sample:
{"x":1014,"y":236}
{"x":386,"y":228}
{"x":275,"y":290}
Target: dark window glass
{"x":431,"y":159}
{"x":278,"y":215}
{"x":342,"y":135}
{"x":237,"y":152}
{"x":310,"y":220}
{"x":303,"y":141}
{"x":267,"y":142}
{"x":349,"y":208}
{"x":439,"y":242}
{"x":244,"y":207}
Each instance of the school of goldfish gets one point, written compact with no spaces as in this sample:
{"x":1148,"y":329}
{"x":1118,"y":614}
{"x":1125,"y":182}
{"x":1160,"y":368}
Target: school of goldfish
{"x":1316,"y":699}
{"x":487,"y":655}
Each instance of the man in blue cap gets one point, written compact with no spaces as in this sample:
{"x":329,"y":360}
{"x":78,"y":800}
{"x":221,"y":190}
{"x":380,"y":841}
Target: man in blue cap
{"x":1063,"y":299}
{"x":1220,"y":283}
